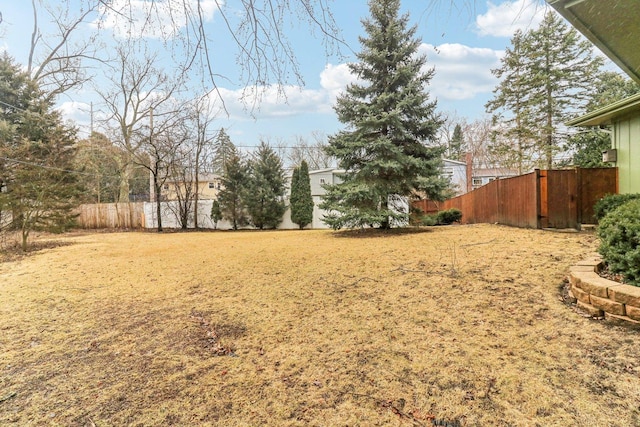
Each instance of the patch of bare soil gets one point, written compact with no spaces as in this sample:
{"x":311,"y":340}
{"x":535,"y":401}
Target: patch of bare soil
{"x":458,"y":326}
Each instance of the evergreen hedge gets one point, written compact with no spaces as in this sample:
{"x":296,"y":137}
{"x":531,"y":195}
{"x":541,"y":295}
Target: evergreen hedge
{"x":619,"y":233}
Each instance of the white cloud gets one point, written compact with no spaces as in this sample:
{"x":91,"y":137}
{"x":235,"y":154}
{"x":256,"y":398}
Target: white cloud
{"x":271,"y":102}
{"x":502,"y":20}
{"x":461,"y":72}
{"x":161,"y":19}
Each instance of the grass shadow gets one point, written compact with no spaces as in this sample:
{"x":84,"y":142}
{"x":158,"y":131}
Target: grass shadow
{"x":375,"y":233}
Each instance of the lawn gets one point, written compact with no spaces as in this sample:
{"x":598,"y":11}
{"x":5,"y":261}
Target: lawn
{"x":459,"y":326}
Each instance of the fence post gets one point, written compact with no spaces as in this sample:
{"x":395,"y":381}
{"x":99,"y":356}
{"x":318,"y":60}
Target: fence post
{"x":538,"y":199}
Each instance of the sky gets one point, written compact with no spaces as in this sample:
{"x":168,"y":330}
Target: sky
{"x":463,"y":40}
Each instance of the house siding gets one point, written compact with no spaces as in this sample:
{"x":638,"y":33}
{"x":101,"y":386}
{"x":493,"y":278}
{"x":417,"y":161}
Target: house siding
{"x":626,"y":139}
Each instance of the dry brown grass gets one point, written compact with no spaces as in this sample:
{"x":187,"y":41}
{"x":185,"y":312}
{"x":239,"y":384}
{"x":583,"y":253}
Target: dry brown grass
{"x":460,"y":325}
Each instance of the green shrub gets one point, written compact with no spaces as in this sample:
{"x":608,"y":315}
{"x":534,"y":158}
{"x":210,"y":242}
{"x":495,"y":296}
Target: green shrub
{"x":619,"y":233}
{"x":449,"y":216}
{"x":610,"y":202}
{"x":429,"y":220}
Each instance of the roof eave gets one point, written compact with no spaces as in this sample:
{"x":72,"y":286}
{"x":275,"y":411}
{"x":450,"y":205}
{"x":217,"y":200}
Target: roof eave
{"x":606,"y":115}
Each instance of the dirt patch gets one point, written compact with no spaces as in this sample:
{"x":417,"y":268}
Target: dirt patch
{"x":459,"y":325}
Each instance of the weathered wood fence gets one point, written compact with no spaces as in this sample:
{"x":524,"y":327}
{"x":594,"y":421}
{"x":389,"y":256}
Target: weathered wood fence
{"x":540,"y":199}
{"x":111,"y":215}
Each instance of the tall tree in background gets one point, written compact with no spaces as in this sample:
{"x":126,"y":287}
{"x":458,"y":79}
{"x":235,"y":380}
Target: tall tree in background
{"x":389,"y":119}
{"x":99,"y":161}
{"x":232,"y":194}
{"x":312,"y":152}
{"x":138,"y":91}
{"x":456,"y":147}
{"x":36,"y":154}
{"x":301,"y":201}
{"x":223,"y":149}
{"x":511,"y":108}
{"x":587,"y":145}
{"x":265,"y":188}
{"x":545,"y":78}
{"x":563,"y":73}
{"x":201,"y":119}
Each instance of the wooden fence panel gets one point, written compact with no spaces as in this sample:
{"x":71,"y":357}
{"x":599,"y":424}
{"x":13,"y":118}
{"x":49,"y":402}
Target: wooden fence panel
{"x":111,"y":215}
{"x":518,"y":201}
{"x":541,"y":199}
{"x":593,"y":184}
{"x":562,"y":199}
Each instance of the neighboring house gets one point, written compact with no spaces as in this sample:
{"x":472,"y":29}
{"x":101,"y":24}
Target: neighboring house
{"x":208,"y":187}
{"x":614,"y":28}
{"x":317,"y":179}
{"x":456,"y":172}
{"x":484,"y":176}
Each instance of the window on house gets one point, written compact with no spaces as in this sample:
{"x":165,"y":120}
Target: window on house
{"x":212,"y":185}
{"x":165,"y":187}
{"x":477,"y":181}
{"x":491,"y":179}
{"x":323,"y":181}
{"x":447,"y":172}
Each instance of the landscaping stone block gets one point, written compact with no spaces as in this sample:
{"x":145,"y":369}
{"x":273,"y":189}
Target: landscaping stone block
{"x":581,"y":269}
{"x":593,"y":284}
{"x":615,"y":318}
{"x":595,"y":312}
{"x":581,"y":295}
{"x":625,"y":294}
{"x":593,"y":261}
{"x":607,"y":305}
{"x":633,"y":312}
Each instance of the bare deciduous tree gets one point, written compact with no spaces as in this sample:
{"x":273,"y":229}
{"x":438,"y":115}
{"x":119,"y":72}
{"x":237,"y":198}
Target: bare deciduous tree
{"x":139,"y":89}
{"x":57,"y":60}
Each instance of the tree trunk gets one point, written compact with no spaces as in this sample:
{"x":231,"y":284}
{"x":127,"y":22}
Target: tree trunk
{"x":158,"y":204}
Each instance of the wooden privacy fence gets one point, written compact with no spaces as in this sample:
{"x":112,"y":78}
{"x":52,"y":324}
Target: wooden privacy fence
{"x":540,"y":199}
{"x":111,"y":215}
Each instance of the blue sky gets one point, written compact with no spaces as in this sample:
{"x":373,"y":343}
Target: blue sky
{"x":463,"y":40}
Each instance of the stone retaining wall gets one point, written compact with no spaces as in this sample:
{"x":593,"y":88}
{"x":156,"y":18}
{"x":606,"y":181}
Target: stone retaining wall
{"x":601,"y":297}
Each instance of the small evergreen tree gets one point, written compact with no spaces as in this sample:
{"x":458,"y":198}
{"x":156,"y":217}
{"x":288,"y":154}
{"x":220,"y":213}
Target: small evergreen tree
{"x":266,"y":189}
{"x":223,"y":149}
{"x":232,"y":194}
{"x":456,"y":145}
{"x":216,"y":213}
{"x":301,"y":199}
{"x":389,"y":120}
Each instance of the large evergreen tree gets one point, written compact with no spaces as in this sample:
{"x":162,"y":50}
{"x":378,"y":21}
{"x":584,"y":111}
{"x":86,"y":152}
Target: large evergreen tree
{"x":564,"y":70}
{"x":37,"y":184}
{"x":545,"y":78}
{"x":232,"y":194}
{"x":301,"y":200}
{"x":514,"y":138}
{"x":266,"y":188}
{"x":390,"y":120}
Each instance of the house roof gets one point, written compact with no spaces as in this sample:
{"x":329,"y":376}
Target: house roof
{"x":611,"y":25}
{"x":494,"y":172}
{"x":607,"y":114}
{"x":453,"y":162}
